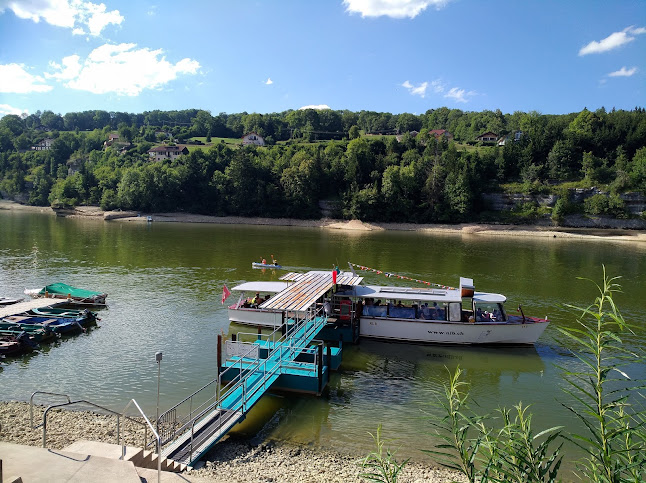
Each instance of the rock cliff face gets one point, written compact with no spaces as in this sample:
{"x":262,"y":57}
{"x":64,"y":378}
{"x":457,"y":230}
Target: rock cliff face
{"x":635,"y":205}
{"x":635,"y":201}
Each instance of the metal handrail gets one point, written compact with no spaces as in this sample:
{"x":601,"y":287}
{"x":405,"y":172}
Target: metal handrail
{"x":31,"y":405}
{"x":123,"y":447}
{"x":278,"y":352}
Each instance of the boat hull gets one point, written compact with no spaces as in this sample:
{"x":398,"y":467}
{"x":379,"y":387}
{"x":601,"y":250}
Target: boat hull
{"x":264,"y":265}
{"x":451,"y":332}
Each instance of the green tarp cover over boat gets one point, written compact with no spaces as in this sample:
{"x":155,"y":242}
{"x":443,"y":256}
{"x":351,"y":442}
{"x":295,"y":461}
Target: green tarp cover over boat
{"x":64,"y":289}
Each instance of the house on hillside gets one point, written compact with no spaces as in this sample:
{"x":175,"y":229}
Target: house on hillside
{"x":44,"y":145}
{"x":439,"y":133}
{"x":412,"y":134}
{"x":253,"y":138}
{"x":167,"y":152}
{"x":488,"y":137}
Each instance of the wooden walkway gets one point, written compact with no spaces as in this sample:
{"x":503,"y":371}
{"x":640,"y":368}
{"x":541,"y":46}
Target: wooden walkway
{"x":20,"y":307}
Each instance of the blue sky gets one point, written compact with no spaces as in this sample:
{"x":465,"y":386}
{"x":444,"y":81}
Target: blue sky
{"x":383,"y":55}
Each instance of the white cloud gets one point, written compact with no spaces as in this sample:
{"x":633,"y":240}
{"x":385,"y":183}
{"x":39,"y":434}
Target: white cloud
{"x":120,"y":69}
{"x":612,"y":41}
{"x":7,"y":109}
{"x":420,"y":90}
{"x":459,"y":95}
{"x":391,"y":8}
{"x":74,"y":14}
{"x":623,"y":72}
{"x":318,"y":107}
{"x":437,"y":86}
{"x":14,"y":78}
{"x":269,"y":81}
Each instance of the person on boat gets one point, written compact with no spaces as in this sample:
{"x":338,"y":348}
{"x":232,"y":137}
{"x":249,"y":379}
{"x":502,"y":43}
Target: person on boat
{"x":274,"y":261}
{"x":327,"y":307}
{"x":264,"y":262}
{"x":256,"y":300}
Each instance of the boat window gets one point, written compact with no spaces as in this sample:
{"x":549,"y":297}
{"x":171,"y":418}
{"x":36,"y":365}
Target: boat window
{"x":488,"y":312}
{"x":375,"y":310}
{"x":432,"y":311}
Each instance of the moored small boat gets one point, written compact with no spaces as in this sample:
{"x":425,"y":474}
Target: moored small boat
{"x":63,"y":326}
{"x":9,"y":301}
{"x":39,"y":334}
{"x":85,"y":317}
{"x":72,"y":294}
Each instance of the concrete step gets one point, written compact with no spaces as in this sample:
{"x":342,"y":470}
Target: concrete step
{"x":106,"y":450}
{"x":41,"y":465}
{"x":139,"y":457}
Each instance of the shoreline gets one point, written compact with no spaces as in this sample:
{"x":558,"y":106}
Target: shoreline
{"x":480,"y":229}
{"x":233,"y":460}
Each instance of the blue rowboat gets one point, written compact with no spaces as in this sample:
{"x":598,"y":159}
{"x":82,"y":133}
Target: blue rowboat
{"x":85,"y":317}
{"x":63,"y":326}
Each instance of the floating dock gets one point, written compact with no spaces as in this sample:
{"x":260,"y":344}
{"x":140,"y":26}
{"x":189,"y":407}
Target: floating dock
{"x":289,"y":359}
{"x":20,"y":307}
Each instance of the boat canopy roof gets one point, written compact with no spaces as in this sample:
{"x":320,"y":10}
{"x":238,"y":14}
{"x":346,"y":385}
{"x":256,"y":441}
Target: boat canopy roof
{"x":412,"y":293}
{"x":306,"y":290}
{"x":489,"y":297}
{"x":272,"y":287}
{"x":64,"y":289}
{"x":403,"y":293}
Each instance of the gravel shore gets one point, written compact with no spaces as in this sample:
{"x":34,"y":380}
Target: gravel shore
{"x":465,"y":229}
{"x":231,"y":461}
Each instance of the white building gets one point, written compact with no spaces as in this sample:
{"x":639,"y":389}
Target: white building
{"x":253,"y":138}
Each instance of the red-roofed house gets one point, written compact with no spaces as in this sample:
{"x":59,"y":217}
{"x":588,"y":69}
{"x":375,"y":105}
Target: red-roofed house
{"x":167,"y":152}
{"x":438,"y":133}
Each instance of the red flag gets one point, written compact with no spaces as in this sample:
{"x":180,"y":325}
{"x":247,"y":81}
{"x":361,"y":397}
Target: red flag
{"x":334,"y":277}
{"x":225,"y":292}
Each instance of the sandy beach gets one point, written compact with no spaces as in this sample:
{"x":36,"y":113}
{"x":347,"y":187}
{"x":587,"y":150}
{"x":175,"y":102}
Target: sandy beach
{"x":464,"y":229}
{"x":230,"y":461}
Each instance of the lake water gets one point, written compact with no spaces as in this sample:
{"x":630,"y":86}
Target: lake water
{"x":165,"y":283}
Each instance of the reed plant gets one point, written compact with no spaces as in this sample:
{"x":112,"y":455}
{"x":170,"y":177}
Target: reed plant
{"x":381,"y":465}
{"x":512,"y":453}
{"x":605,"y":398}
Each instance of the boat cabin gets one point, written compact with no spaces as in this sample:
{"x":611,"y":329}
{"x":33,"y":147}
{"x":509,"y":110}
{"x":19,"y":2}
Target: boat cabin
{"x":246,"y":309}
{"x":432,"y":304}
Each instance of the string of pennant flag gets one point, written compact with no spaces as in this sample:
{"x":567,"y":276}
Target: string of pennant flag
{"x":401,"y":277}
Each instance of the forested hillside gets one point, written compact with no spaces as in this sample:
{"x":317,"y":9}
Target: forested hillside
{"x":314,"y":155}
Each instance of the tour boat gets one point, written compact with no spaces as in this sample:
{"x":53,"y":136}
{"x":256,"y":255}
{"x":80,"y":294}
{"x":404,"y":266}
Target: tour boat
{"x":441,"y":315}
{"x":437,"y":315}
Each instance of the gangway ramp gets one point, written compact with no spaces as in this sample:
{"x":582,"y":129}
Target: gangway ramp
{"x":249,"y":370}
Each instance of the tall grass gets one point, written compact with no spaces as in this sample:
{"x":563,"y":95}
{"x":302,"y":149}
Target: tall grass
{"x":601,"y":394}
{"x":605,"y":398}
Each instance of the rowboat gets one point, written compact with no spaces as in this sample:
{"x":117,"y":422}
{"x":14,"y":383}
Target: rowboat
{"x":38,"y":334}
{"x":72,"y":294}
{"x":9,"y":301}
{"x":85,"y":317}
{"x":64,"y":326}
{"x":265,"y":265}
